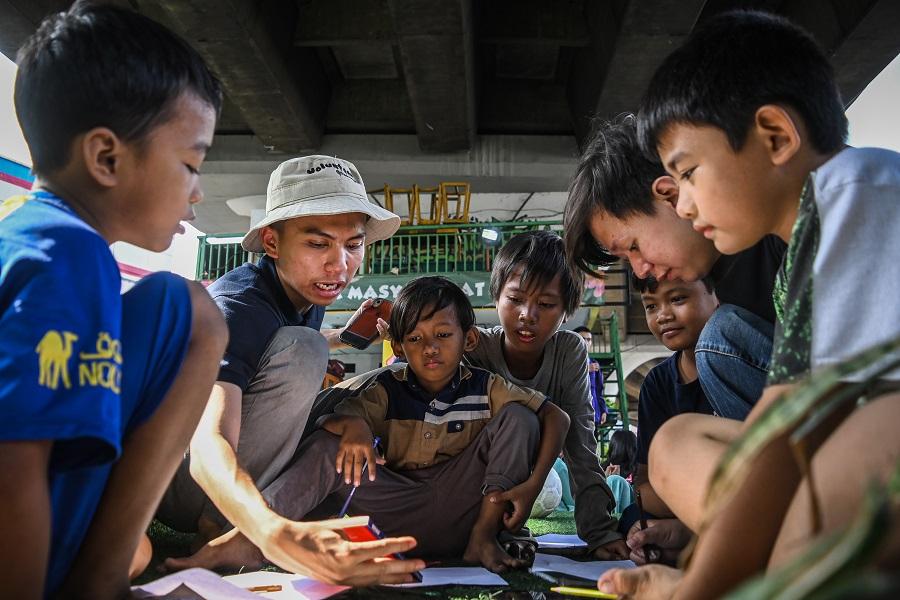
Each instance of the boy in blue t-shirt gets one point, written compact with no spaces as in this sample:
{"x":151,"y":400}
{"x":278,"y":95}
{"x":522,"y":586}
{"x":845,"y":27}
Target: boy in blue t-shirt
{"x":99,"y":392}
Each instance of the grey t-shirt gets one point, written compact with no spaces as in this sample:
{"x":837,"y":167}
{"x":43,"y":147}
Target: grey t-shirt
{"x":562,"y":377}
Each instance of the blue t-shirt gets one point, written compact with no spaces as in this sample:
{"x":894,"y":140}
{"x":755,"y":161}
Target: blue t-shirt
{"x":662,"y":397}
{"x":60,"y":356}
{"x":255,"y":306}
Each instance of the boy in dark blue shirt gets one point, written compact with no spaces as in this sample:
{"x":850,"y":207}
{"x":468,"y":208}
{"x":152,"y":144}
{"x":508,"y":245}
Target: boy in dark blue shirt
{"x":99,"y":393}
{"x":676,"y":313}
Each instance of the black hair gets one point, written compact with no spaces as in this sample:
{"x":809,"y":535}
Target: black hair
{"x":732,"y":65}
{"x":541,"y":256}
{"x":429,"y":294}
{"x":623,"y":452}
{"x":582,"y":329}
{"x":650,"y":284}
{"x":614,"y":177}
{"x":101,"y":65}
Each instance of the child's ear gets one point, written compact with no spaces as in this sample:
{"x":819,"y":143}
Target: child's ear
{"x":778,"y":131}
{"x":472,"y":338}
{"x":397,"y":349}
{"x":269,"y":238}
{"x":665,"y":189}
{"x":102,"y":151}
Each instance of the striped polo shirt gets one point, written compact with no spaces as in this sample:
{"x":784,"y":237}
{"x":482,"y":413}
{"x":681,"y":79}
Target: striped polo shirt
{"x":419,"y":429}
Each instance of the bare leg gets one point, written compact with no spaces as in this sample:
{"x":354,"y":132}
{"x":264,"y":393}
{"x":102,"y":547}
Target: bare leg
{"x":231,"y":550}
{"x":149,"y":459}
{"x":683,"y":455}
{"x":865,"y":447}
{"x":483,"y":547}
{"x":141,"y":557}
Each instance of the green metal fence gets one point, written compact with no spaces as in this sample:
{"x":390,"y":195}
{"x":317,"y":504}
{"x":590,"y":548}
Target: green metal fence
{"x":415,"y":249}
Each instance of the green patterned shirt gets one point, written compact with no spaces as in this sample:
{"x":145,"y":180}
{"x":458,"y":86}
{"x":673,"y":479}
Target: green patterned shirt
{"x":793,"y":295}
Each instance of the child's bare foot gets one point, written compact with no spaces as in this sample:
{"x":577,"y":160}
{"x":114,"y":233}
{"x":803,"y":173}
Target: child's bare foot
{"x":484,"y":550}
{"x":653,"y":582}
{"x":231,"y":550}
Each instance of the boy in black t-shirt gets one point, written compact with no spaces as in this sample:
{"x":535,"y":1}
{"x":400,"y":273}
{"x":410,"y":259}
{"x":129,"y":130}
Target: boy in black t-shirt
{"x":676,"y":312}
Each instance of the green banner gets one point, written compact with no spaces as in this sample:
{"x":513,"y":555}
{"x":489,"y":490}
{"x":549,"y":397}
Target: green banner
{"x":476,"y":285}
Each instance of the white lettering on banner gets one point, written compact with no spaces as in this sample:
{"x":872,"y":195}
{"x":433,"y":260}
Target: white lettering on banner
{"x":354,"y":293}
{"x":467,"y":289}
{"x":370,"y":293}
{"x":479,"y":288}
{"x":395,"y":289}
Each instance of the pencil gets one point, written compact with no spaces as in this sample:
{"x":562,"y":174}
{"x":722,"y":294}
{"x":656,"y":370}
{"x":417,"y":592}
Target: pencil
{"x":652,"y":552}
{"x":583,"y":592}
{"x":264,"y":588}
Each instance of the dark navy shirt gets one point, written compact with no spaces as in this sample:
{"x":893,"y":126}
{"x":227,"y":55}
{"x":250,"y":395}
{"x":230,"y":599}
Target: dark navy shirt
{"x":255,"y":306}
{"x":662,"y":397}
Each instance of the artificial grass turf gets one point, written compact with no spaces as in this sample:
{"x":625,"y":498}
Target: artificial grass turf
{"x":167,"y":543}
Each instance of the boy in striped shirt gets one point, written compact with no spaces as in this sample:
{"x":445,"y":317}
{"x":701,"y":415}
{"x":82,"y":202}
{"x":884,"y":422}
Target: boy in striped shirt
{"x":453,"y":436}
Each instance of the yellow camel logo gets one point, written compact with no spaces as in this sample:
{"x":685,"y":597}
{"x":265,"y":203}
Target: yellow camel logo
{"x":54,"y":351}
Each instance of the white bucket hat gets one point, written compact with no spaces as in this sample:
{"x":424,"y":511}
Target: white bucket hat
{"x":320,"y":185}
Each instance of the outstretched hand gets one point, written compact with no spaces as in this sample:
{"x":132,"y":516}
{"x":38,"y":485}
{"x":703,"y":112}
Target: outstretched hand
{"x":310,"y":549}
{"x":521,"y":497}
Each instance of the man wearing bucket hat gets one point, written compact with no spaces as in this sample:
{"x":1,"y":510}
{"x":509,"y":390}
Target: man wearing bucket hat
{"x":318,"y":221}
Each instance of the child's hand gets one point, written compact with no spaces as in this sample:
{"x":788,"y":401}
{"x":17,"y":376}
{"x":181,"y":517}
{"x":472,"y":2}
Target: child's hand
{"x":522,"y":499}
{"x":670,"y":535}
{"x":355,"y":454}
{"x":612,"y":470}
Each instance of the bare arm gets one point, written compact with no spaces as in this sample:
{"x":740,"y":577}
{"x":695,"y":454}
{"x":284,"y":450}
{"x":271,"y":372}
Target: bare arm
{"x":554,"y":426}
{"x":24,"y":518}
{"x":653,"y":504}
{"x":214,"y":465}
{"x":305,"y":548}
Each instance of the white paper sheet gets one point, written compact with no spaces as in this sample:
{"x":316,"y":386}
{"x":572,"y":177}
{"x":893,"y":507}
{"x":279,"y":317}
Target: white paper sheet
{"x":200,"y":584}
{"x":457,"y":576}
{"x":558,"y":540}
{"x":293,"y":587}
{"x":205,"y":585}
{"x":587,"y":570}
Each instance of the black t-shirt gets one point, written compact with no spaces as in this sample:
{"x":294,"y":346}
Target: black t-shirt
{"x":255,"y":306}
{"x":662,"y":397}
{"x":746,"y":279}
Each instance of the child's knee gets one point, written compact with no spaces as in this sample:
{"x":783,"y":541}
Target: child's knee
{"x":520,"y":417}
{"x":208,"y":325}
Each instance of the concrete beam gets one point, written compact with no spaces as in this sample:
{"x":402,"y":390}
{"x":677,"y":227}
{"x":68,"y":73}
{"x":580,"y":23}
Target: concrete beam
{"x":867,"y":49}
{"x":281,"y":91}
{"x":437,"y":53}
{"x":532,"y":22}
{"x":238,"y":166}
{"x":629,"y":41}
{"x":343,"y":22}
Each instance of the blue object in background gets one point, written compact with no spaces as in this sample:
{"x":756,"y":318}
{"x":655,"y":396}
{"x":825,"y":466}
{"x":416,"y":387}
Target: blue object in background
{"x":567,"y":503}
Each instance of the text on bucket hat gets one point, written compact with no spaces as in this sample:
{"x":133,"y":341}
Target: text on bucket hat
{"x":320,"y":185}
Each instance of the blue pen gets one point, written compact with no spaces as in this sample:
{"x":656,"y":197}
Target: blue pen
{"x":346,"y":506}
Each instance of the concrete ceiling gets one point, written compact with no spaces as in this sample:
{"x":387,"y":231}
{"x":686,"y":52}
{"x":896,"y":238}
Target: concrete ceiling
{"x":496,"y":92}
